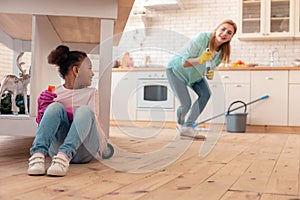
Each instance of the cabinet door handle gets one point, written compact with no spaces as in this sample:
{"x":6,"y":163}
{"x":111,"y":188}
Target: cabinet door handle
{"x":225,"y":76}
{"x":269,"y":78}
{"x":125,"y":78}
{"x":237,"y":85}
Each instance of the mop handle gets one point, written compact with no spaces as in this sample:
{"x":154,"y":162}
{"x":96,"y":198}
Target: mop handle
{"x":251,"y":102}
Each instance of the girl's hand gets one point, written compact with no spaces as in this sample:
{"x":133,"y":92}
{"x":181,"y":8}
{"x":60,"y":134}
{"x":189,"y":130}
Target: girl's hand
{"x":44,"y":100}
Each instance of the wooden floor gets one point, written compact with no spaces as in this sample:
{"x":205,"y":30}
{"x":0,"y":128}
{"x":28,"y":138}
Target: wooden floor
{"x":153,"y":163}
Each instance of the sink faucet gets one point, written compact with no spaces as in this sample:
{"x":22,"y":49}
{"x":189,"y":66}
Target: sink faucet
{"x":272,"y":56}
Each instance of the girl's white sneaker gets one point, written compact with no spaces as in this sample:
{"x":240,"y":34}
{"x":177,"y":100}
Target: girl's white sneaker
{"x":59,"y":166}
{"x":36,"y":164}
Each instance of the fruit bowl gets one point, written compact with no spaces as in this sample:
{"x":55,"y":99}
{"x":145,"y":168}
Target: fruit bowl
{"x":238,"y":63}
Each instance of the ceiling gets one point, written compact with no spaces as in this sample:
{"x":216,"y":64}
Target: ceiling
{"x":69,"y":29}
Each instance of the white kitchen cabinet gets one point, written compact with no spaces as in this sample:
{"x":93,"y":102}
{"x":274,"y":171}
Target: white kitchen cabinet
{"x":267,"y":19}
{"x":237,"y":88}
{"x":297,"y":19}
{"x":294,"y":96}
{"x":217,"y":102}
{"x":123,"y":96}
{"x":273,"y":110}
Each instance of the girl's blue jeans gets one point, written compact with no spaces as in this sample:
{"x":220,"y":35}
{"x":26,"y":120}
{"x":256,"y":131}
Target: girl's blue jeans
{"x":180,"y":89}
{"x":77,"y":139}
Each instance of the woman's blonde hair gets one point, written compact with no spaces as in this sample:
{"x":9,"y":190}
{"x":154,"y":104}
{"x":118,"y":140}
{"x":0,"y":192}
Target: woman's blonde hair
{"x":225,"y":47}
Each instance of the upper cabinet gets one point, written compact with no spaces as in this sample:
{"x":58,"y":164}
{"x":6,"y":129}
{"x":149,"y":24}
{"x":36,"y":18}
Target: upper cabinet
{"x":297,"y":19}
{"x":268,"y":19}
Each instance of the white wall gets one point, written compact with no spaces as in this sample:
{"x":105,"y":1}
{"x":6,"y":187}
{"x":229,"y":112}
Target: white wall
{"x":6,"y":55}
{"x":204,"y":15}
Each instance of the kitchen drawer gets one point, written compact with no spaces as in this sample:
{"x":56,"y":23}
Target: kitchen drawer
{"x":235,"y":76}
{"x":294,"y":76}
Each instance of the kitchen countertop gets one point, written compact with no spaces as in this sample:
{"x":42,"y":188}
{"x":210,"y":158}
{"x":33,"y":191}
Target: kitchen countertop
{"x":257,"y":68}
{"x":137,"y":69}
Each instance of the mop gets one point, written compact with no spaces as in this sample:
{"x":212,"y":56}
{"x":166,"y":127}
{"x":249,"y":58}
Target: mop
{"x":225,"y":113}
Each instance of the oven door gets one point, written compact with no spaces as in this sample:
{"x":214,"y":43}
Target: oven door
{"x":154,"y":94}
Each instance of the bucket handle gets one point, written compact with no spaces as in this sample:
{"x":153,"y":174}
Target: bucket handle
{"x":235,"y":103}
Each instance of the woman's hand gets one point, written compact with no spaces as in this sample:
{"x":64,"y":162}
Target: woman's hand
{"x":209,"y":74}
{"x":205,"y":56}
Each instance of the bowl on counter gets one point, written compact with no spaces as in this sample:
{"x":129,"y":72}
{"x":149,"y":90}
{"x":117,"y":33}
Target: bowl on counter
{"x":252,"y":64}
{"x":296,"y":62}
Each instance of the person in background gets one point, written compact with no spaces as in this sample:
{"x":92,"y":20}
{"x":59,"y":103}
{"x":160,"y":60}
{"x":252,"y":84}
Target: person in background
{"x":188,"y":68}
{"x":69,"y":128}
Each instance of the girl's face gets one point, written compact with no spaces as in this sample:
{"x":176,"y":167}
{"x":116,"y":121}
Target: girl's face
{"x":85,"y":73}
{"x":224,"y":33}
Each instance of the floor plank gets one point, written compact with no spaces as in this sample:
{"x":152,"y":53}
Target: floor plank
{"x":237,"y":195}
{"x":285,"y":175}
{"x":278,"y":197}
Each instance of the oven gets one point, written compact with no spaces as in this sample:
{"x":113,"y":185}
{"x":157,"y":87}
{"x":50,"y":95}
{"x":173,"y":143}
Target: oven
{"x":154,"y":91}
